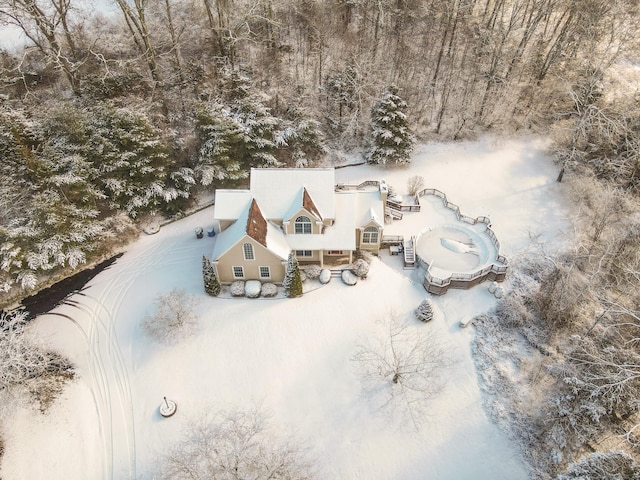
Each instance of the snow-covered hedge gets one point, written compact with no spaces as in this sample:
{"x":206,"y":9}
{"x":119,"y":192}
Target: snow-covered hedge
{"x":269,"y":290}
{"x":360,"y":268}
{"x":303,"y":276}
{"x":349,"y":278}
{"x":312,"y":271}
{"x":325,"y":276}
{"x":252,"y":288}
{"x":237,"y":289}
{"x":424,"y":312}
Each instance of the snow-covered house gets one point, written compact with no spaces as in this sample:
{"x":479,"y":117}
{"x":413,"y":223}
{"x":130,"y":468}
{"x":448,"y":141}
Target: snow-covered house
{"x":293,"y":209}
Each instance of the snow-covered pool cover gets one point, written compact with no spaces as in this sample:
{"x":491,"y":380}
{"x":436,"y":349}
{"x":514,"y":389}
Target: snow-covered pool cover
{"x":455,"y":248}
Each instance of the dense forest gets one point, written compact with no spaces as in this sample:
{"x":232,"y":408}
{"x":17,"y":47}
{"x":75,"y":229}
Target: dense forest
{"x":108,"y":117}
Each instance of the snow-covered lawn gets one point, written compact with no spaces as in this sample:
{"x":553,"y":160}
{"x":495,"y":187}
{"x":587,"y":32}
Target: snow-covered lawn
{"x":291,"y":356}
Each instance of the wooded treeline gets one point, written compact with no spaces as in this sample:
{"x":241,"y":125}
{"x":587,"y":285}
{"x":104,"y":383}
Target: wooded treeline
{"x":107,"y":117}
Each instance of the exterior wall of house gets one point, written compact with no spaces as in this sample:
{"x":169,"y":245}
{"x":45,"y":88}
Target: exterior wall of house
{"x":234,"y":257}
{"x":289,"y":228}
{"x":335,"y":257}
{"x":316,"y":257}
{"x":371,"y":247}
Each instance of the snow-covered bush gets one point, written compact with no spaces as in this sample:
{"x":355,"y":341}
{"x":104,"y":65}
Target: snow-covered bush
{"x":174,"y":317}
{"x":303,"y":276}
{"x":269,"y":290}
{"x":615,"y":465}
{"x":360,"y":268}
{"x":513,"y":312}
{"x":26,"y":366}
{"x":312,"y":271}
{"x":349,"y":278}
{"x":252,"y":288}
{"x":424,"y":312}
{"x":237,"y":289}
{"x":325,"y":276}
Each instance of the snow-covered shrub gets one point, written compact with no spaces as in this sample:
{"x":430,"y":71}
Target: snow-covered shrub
{"x":175,"y":317}
{"x":360,"y":268}
{"x":615,"y":465}
{"x":349,"y":278}
{"x":303,"y":276}
{"x":325,"y":276}
{"x":252,"y":288}
{"x":237,"y":288}
{"x":313,"y":271}
{"x":269,"y":290}
{"x":27,"y":368}
{"x":424,"y":312}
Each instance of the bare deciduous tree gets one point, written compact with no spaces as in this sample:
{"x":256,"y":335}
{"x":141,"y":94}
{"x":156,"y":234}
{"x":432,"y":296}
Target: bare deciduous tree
{"x":233,"y":445}
{"x":174,"y":318}
{"x":415,"y":184}
{"x":407,"y":364}
{"x":47,"y":23}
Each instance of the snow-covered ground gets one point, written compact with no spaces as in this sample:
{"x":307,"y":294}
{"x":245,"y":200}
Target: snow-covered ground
{"x":291,"y":356}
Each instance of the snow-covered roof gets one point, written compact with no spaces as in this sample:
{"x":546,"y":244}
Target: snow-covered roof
{"x":369,"y":209}
{"x":339,"y":236}
{"x":230,"y":204}
{"x":276,"y":241}
{"x":279,"y":190}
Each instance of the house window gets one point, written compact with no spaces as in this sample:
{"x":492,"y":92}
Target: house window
{"x":302,"y":225}
{"x":265,"y":272}
{"x":304,"y":253}
{"x":334,"y":252}
{"x":238,"y":272}
{"x":247,"y":250}
{"x":370,"y":235}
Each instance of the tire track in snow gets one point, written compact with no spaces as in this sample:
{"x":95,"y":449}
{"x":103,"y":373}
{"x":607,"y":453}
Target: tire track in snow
{"x":111,"y":381}
{"x":102,"y":301}
{"x":92,"y":389}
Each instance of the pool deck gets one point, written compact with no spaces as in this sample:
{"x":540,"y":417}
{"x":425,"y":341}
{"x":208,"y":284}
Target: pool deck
{"x":437,"y":275}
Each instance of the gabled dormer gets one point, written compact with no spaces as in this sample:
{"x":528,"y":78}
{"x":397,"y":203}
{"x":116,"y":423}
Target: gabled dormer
{"x":303,"y":218}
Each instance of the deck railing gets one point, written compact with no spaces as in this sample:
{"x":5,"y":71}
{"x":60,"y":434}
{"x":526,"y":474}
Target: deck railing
{"x":496,"y":270}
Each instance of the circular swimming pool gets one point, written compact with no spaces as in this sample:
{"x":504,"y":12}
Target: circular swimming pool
{"x":451,"y":249}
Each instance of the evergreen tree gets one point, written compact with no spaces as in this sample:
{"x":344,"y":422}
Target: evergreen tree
{"x":258,"y":131}
{"x":211,"y":283}
{"x":292,"y":282}
{"x":299,"y":139}
{"x":221,"y":145}
{"x":132,"y":161}
{"x":257,"y":126}
{"x":392,"y":142}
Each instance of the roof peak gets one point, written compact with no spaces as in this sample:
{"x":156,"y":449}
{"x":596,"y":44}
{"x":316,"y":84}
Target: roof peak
{"x":308,"y":205}
{"x":256,"y":224}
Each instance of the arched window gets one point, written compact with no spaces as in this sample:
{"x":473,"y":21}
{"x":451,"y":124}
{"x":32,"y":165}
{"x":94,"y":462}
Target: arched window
{"x":302,"y":224}
{"x":247,"y":250}
{"x":370,"y":235}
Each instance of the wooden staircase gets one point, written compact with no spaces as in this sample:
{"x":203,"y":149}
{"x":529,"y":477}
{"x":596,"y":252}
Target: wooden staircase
{"x":410,"y":253}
